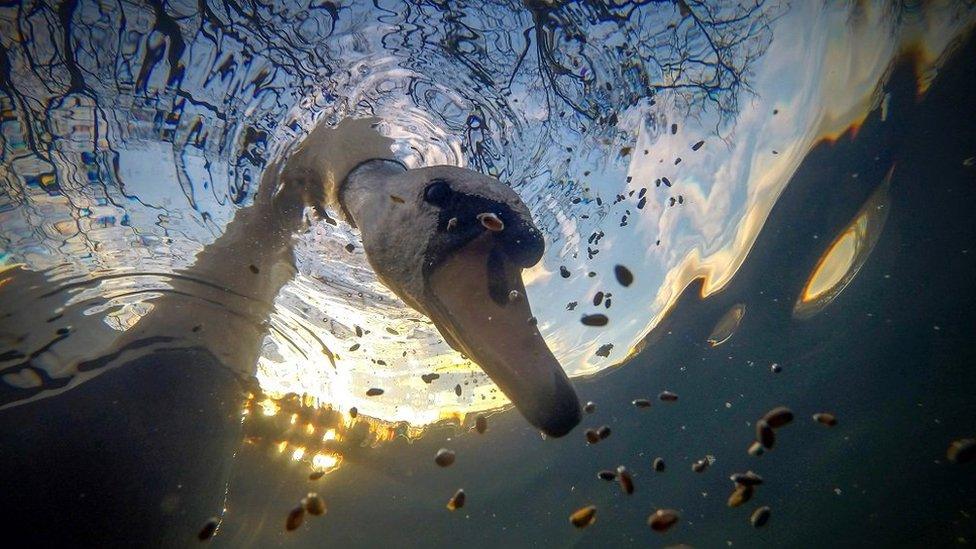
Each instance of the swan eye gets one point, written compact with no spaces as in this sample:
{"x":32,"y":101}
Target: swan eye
{"x":437,"y":192}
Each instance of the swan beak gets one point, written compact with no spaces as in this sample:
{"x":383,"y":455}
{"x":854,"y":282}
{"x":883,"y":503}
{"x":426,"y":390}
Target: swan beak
{"x":470,"y":301}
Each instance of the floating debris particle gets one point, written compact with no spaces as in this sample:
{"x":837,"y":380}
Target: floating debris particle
{"x":359,"y":331}
{"x":677,"y":161}
{"x":350,"y":248}
{"x":563,"y":271}
{"x":589,"y":407}
{"x":452,"y":223}
{"x":826,"y":418}
{"x":314,"y":504}
{"x":355,"y":347}
{"x":592,"y":436}
{"x":641,"y":203}
{"x":775,"y":368}
{"x":597,"y":299}
{"x":392,"y":331}
{"x":969,"y":161}
{"x":624,"y":151}
{"x":759,"y":517}
{"x":603,"y":432}
{"x":606,"y":475}
{"x":295,"y":518}
{"x":513,"y":295}
{"x":641,"y":403}
{"x":429,"y":378}
{"x":667,"y":396}
{"x":491,"y":222}
{"x":353,"y":412}
{"x":697,"y":145}
{"x":740,"y":495}
{"x":778,"y":417}
{"x":457,"y":389}
{"x":962,"y":450}
{"x":481,"y":423}
{"x":209,"y":529}
{"x":604,"y":350}
{"x":756,"y":449}
{"x":583,"y":517}
{"x":658,"y":464}
{"x":674,"y":129}
{"x":700,"y":465}
{"x":746,"y":479}
{"x":764,"y":434}
{"x":625,"y":480}
{"x":315,"y":475}
{"x":666,"y":181}
{"x":571,"y":306}
{"x":396,"y":199}
{"x":444,"y":457}
{"x":663,"y":519}
{"x":254,"y":269}
{"x":624,"y":276}
{"x":595,"y":320}
{"x":457,"y":501}
{"x":374,"y":391}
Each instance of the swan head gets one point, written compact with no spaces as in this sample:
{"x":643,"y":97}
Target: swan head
{"x":452,"y":244}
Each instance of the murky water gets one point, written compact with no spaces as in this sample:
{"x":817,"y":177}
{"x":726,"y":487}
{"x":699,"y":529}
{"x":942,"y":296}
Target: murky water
{"x":789,"y":184}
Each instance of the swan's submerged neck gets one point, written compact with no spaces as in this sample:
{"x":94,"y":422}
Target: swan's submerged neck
{"x":365,"y":192}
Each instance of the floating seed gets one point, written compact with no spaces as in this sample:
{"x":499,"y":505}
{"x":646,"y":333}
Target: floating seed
{"x":590,"y":407}
{"x":624,"y":276}
{"x":353,"y":412}
{"x":699,"y":466}
{"x":457,"y":389}
{"x":667,"y":396}
{"x":658,"y":464}
{"x":597,"y":299}
{"x":740,"y":495}
{"x":625,"y":480}
{"x":583,"y":517}
{"x":765,"y":435}
{"x":563,"y":272}
{"x":778,"y":417}
{"x":481,"y":424}
{"x":313,"y":504}
{"x":697,"y":146}
{"x":606,"y":475}
{"x":641,"y":403}
{"x":663,"y":519}
{"x":594,"y":320}
{"x":209,"y":529}
{"x":603,"y":432}
{"x":746,"y":479}
{"x":355,"y":347}
{"x":456,"y":501}
{"x":316,"y":475}
{"x":444,"y":457}
{"x":428,"y":378}
{"x":962,"y":450}
{"x":759,"y":517}
{"x":826,"y":418}
{"x":295,"y":518}
{"x":374,"y":391}
{"x":756,"y":449}
{"x":592,"y":436}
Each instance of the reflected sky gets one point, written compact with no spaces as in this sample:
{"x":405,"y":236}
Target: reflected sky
{"x":124,"y":158}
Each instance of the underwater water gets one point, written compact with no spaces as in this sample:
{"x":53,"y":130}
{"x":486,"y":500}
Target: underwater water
{"x":790,"y":184}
